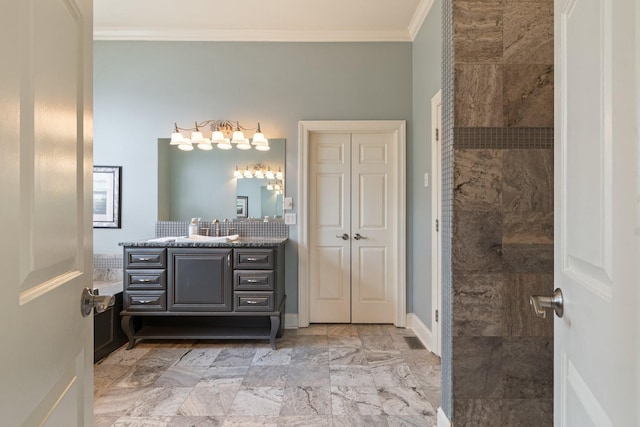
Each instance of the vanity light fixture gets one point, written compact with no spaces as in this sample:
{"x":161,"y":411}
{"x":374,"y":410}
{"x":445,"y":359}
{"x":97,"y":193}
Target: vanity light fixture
{"x":258,"y":171}
{"x":218,"y":130}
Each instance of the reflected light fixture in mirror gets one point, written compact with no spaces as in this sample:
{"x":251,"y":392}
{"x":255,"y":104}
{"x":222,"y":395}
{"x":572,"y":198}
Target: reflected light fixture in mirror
{"x":259,"y":171}
{"x":218,"y":130}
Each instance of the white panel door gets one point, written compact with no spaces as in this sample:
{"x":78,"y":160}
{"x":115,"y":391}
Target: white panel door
{"x":330,"y":220}
{"x":373,"y":259}
{"x":596,"y":228}
{"x":46,"y":361}
{"x":352,"y":219}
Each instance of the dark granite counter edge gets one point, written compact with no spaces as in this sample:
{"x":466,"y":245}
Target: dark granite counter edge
{"x":248,"y":242}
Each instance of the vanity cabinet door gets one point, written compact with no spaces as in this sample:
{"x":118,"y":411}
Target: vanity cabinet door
{"x":199,"y":280}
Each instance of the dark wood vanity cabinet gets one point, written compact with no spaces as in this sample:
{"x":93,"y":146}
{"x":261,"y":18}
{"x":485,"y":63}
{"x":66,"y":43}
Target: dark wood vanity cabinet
{"x":202,"y":292}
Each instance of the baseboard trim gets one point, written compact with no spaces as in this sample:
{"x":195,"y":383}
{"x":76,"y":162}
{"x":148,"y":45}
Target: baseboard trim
{"x":291,"y":320}
{"x":421,"y":330}
{"x":443,"y":421}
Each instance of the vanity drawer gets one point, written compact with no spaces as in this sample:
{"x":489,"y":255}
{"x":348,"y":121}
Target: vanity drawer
{"x":145,"y":258}
{"x":253,"y":259}
{"x":253,"y":280}
{"x":145,"y":301}
{"x":146,"y":280}
{"x":253,"y":301}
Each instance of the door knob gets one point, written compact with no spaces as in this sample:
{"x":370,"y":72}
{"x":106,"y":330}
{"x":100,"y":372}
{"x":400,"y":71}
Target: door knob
{"x":345,"y":236}
{"x":90,"y":300}
{"x":358,"y":236}
{"x":539,"y":303}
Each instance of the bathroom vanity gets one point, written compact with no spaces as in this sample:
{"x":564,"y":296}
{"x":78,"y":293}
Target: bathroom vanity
{"x":204,"y":290}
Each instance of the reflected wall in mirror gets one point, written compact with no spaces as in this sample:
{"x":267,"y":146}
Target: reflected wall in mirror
{"x":201,"y":184}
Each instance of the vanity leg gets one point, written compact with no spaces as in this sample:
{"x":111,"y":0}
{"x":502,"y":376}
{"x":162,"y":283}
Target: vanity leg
{"x":282,"y":311}
{"x":127,"y":327}
{"x":275,"y":325}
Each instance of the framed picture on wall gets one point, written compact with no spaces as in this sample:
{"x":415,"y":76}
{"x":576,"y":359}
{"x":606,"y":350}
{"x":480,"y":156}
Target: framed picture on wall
{"x":242,"y":206}
{"x":106,"y":196}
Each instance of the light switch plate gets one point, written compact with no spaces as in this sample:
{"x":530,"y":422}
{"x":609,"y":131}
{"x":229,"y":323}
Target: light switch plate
{"x":288,"y":203}
{"x":290,"y":218}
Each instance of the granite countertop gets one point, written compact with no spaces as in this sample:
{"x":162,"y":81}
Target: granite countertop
{"x":253,"y":242}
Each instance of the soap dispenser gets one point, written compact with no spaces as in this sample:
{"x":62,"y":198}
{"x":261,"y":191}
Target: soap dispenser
{"x":193,"y":227}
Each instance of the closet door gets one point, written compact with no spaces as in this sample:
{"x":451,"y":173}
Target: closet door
{"x":373,"y":262}
{"x":330,"y":220}
{"x":352,"y":262}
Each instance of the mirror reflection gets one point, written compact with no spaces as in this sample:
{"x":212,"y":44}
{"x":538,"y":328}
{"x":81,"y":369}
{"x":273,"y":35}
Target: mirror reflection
{"x":204,"y":184}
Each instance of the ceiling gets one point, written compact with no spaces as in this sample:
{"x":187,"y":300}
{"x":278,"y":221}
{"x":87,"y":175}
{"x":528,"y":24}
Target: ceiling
{"x":259,"y":20}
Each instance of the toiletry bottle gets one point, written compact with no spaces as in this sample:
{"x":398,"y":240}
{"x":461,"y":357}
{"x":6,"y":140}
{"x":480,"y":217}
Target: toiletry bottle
{"x":193,"y":227}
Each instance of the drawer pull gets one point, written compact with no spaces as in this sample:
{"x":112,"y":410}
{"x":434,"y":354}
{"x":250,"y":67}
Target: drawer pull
{"x":144,"y":280}
{"x":144,"y":259}
{"x":250,"y":301}
{"x":145,"y":301}
{"x":253,"y":281}
{"x":251,"y":258}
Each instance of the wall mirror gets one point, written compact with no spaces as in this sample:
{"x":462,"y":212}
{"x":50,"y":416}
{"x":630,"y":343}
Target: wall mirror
{"x":203,"y":184}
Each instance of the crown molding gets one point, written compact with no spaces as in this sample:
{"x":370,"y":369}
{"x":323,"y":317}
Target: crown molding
{"x":168,"y":34}
{"x":418,"y":17}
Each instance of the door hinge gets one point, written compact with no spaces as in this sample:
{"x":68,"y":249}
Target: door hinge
{"x":437,"y":134}
{"x":437,"y":225}
{"x":436,"y":315}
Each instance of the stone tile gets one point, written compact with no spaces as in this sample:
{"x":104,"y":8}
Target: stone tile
{"x":347,"y":356}
{"x":157,"y":401}
{"x":199,"y":357}
{"x":528,"y":32}
{"x":305,"y":421}
{"x":377,"y":342}
{"x":180,"y":376}
{"x":393,"y":376}
{"x":478,"y":363}
{"x":139,"y":376}
{"x":268,"y":356}
{"x":128,"y":421}
{"x":478,"y":95}
{"x":527,"y":180}
{"x":209,"y":400}
{"x":477,"y":180}
{"x":528,"y":95}
{"x":342,"y":330}
{"x":427,"y":376}
{"x":308,"y":375}
{"x":433,"y":395}
{"x":223,"y":375}
{"x":477,"y":28}
{"x":355,"y":401}
{"x":344,"y":341}
{"x":411,"y":421}
{"x":257,"y":401}
{"x":313,"y":329}
{"x":405,"y":401}
{"x":310,"y":355}
{"x":103,"y":421}
{"x":247,"y":421}
{"x":360,"y":421}
{"x":377,"y":358}
{"x":182,"y":421}
{"x":518,"y":315}
{"x":105,"y":375}
{"x":477,"y":412}
{"x":478,"y":305}
{"x":528,"y":367}
{"x":423,"y":357}
{"x":373,"y":329}
{"x":477,"y":242}
{"x":122,"y":356}
{"x":527,"y":412}
{"x":527,"y":258}
{"x":161,"y":357}
{"x":117,"y":402}
{"x":306,"y":400}
{"x":235,"y":357}
{"x":268,"y":375}
{"x":313,"y":341}
{"x":351,"y":375}
{"x":527,"y":228}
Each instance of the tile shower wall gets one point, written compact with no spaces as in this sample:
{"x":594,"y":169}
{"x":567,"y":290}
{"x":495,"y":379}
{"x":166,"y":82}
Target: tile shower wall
{"x":502,"y":211}
{"x":257,"y":229}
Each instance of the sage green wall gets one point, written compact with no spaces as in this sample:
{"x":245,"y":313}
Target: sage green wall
{"x":427,"y":64}
{"x":142,"y":88}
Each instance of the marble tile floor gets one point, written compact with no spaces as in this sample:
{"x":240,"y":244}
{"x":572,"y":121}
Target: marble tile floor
{"x":324,"y":375}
